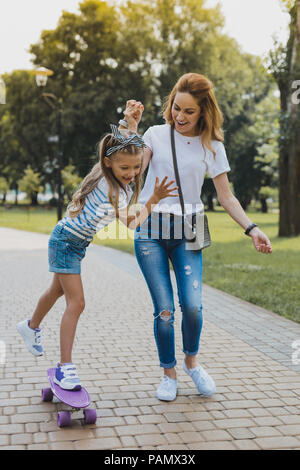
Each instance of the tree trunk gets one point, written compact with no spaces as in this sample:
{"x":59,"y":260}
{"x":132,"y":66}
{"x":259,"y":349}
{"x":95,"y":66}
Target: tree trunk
{"x":210,"y":202}
{"x":283,"y":165}
{"x":289,"y":199}
{"x":295,"y":133}
{"x":264,"y":205}
{"x":16,"y":195}
{"x":34,"y":198}
{"x":245,"y":201}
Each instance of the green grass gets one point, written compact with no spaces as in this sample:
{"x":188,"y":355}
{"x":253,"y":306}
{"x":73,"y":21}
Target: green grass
{"x":33,"y":219}
{"x":230,"y":264}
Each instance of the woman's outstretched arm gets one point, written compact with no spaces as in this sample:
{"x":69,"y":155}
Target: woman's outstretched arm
{"x":235,"y":210}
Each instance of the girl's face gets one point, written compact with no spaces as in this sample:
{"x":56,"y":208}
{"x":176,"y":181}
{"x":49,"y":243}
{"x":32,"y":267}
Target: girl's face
{"x":124,"y":167}
{"x":185,"y":114}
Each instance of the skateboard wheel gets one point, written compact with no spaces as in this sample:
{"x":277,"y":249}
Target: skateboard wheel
{"x":63,"y":419}
{"x":47,"y":394}
{"x":90,"y":416}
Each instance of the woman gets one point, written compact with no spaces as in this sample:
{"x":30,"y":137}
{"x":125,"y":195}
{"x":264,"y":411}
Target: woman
{"x":192,"y":109}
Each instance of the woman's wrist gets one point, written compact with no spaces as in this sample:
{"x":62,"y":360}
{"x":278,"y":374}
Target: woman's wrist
{"x":132,"y":128}
{"x":129,"y":126}
{"x":249,"y":229}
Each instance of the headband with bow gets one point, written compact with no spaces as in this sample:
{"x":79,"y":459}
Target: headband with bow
{"x":124,"y":141}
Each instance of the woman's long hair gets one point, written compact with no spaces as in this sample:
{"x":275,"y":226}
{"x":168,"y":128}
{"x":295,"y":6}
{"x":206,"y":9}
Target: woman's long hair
{"x":211,"y":118}
{"x":100,"y":170}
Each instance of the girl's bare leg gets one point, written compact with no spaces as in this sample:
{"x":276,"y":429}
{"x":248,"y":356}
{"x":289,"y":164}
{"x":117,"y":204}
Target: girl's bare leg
{"x":46,"y":302}
{"x":73,"y":290}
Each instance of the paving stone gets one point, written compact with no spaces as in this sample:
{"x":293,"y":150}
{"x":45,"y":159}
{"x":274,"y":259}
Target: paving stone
{"x":151,"y":440}
{"x":257,"y":401}
{"x":276,"y":443}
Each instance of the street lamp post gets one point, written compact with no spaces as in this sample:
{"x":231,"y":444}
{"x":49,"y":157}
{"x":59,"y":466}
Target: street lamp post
{"x":2,"y":92}
{"x":42,"y":75}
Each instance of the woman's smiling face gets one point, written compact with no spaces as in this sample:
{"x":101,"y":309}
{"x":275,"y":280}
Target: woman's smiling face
{"x":185,"y":114}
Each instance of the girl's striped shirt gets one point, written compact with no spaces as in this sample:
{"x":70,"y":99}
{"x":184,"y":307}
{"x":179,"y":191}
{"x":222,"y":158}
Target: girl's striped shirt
{"x":96,"y":213}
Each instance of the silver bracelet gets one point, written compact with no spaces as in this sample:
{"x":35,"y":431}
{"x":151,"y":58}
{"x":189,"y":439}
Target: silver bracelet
{"x":123,"y":123}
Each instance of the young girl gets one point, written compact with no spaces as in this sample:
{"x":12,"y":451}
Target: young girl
{"x":104,"y":195}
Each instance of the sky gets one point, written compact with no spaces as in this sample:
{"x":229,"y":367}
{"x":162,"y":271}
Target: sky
{"x":251,"y":22}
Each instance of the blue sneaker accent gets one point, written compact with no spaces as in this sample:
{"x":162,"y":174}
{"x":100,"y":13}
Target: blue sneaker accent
{"x":59,"y":375}
{"x":66,"y":377}
{"x":32,"y":337}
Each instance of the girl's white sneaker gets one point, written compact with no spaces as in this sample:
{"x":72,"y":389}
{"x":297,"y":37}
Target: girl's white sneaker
{"x":32,"y":337}
{"x":167,"y":390}
{"x":66,"y":377}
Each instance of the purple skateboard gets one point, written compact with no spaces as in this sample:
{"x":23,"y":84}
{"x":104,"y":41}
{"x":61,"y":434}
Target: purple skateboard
{"x":76,"y":400}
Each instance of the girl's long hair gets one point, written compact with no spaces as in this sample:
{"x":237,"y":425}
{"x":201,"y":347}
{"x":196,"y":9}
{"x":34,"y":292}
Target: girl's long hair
{"x":211,"y":118}
{"x":100,"y":170}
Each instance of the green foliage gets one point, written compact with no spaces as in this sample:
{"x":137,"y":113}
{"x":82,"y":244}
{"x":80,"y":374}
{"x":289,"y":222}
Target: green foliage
{"x":255,"y":164}
{"x":30,"y":183}
{"x":285,"y":67}
{"x":288,"y":4}
{"x":109,"y":53}
{"x":4,"y":186}
{"x":70,"y":180}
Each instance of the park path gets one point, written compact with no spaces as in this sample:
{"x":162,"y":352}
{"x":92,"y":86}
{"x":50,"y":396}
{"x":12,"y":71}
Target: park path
{"x":247,"y":350}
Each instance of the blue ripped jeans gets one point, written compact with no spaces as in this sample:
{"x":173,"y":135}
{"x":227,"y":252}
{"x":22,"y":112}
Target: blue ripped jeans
{"x":153,"y":251}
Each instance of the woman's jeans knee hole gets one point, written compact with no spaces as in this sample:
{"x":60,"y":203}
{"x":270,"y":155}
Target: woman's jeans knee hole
{"x":165,"y":316}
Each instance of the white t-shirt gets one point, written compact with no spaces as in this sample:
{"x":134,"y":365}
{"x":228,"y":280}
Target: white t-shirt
{"x":97,"y":211}
{"x":192,"y":162}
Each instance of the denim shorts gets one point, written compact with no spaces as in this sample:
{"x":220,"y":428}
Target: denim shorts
{"x":65,"y":251}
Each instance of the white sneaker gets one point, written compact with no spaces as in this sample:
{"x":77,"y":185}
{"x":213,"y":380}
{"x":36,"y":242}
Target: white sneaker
{"x":32,"y":337}
{"x":167,"y":390}
{"x":66,"y":377}
{"x":204,"y":382}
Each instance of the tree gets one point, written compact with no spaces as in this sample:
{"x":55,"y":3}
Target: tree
{"x":25,"y":124}
{"x":30,"y":183}
{"x":285,"y":66}
{"x":109,"y":53}
{"x":83,"y":53}
{"x":70,"y":180}
{"x":4,"y":187}
{"x":265,"y":132}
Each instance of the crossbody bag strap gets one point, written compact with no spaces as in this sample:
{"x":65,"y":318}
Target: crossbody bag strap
{"x":176,"y":170}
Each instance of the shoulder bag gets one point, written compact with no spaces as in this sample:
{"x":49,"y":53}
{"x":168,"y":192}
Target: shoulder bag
{"x":196,"y":228}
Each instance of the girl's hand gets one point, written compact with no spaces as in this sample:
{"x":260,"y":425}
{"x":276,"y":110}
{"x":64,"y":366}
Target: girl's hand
{"x":133,"y":113}
{"x":260,"y":241}
{"x":163,"y":190}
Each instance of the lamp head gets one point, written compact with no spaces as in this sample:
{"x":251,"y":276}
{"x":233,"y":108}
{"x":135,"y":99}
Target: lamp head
{"x":41,"y":76}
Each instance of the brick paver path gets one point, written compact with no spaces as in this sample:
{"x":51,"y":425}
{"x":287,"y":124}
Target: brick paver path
{"x":247,"y":350}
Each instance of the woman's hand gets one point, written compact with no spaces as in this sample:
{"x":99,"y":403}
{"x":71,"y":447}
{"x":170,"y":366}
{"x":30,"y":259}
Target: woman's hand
{"x":163,"y":189}
{"x":260,"y":241}
{"x":133,"y":114}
